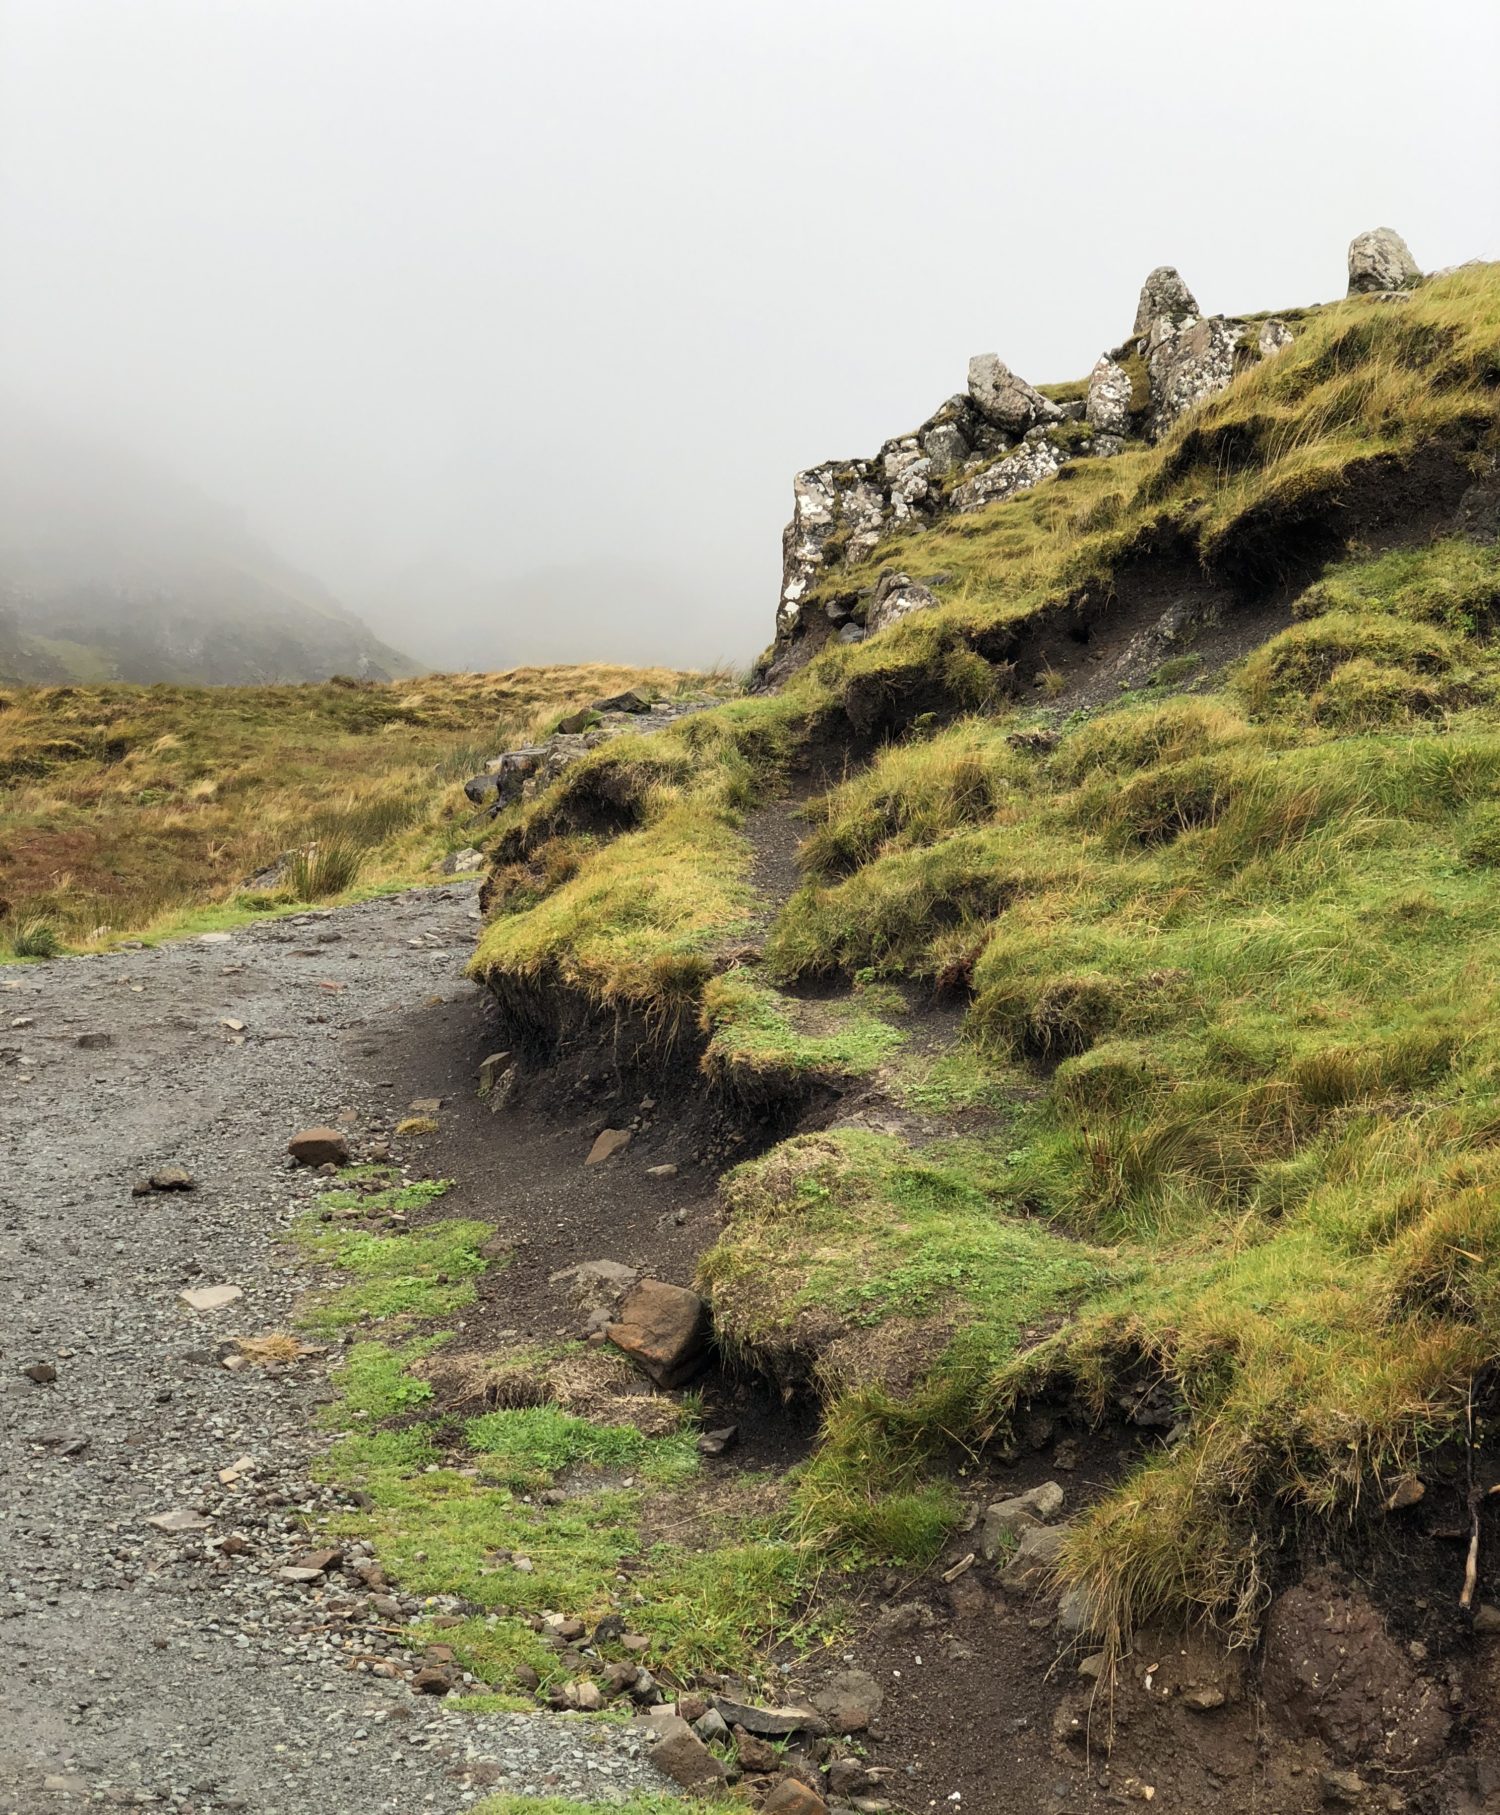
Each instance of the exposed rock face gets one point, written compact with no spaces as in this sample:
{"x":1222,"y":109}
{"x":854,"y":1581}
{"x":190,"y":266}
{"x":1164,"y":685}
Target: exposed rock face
{"x":1380,"y":260}
{"x":1004,"y":399}
{"x":1187,"y":362}
{"x":1109,"y":398}
{"x":1164,"y":297}
{"x":999,"y":437}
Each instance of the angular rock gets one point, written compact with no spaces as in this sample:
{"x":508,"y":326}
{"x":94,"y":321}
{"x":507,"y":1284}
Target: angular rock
{"x":682,"y":1756}
{"x":94,"y":1042}
{"x":595,"y":1285}
{"x":462,"y":863}
{"x":664,"y":1329}
{"x":607,"y":1145}
{"x":40,"y":1373}
{"x":629,"y":701}
{"x":716,"y":1443}
{"x":772,"y":1723}
{"x":1006,"y":1519}
{"x":1274,"y":336}
{"x":668,"y":1170}
{"x":1380,"y":260}
{"x":897,"y":596}
{"x":754,"y":1754}
{"x":792,"y":1797}
{"x":1164,"y":296}
{"x":851,"y":1701}
{"x":1005,"y":399}
{"x":319,"y":1147}
{"x":210,"y":1298}
{"x":1036,"y":1553}
{"x":1187,"y":362}
{"x":711,"y":1726}
{"x":180,"y":1519}
{"x":491,"y":1070}
{"x":945,"y":447}
{"x":1029,"y":465}
{"x":1110,"y":393}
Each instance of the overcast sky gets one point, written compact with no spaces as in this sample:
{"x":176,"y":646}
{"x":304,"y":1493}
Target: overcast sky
{"x":512,"y":319}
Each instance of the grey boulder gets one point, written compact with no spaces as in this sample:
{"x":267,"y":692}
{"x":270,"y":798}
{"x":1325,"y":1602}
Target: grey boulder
{"x":1380,"y":260}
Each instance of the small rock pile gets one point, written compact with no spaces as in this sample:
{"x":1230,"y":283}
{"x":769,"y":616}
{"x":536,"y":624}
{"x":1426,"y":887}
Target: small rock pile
{"x":522,"y":773}
{"x":1001,"y":436}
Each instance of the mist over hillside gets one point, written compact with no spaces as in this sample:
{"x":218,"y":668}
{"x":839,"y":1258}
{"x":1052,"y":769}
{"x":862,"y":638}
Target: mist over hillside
{"x":111,"y":569}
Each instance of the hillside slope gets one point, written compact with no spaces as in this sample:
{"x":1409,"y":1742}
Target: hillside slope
{"x":1177,"y":773}
{"x":111,"y":571}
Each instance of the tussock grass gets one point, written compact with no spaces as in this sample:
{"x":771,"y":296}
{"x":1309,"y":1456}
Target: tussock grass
{"x":1234,"y":955}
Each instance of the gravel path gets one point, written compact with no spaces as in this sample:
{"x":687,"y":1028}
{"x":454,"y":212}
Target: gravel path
{"x":150,"y":1667}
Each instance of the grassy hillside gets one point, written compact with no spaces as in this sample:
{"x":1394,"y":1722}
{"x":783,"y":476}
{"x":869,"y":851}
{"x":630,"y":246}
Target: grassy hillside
{"x":128,"y":808}
{"x":1220,"y":1134}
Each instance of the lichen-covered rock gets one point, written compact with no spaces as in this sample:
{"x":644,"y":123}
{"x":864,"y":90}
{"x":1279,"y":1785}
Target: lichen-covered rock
{"x":897,"y":596}
{"x":1164,"y":297}
{"x":1005,"y":399}
{"x":838,"y":514}
{"x":1380,"y":260}
{"x":1109,"y":398}
{"x":1273,"y":336}
{"x":1186,"y":362}
{"x":1017,"y":472}
{"x":522,"y":773}
{"x":945,"y":446}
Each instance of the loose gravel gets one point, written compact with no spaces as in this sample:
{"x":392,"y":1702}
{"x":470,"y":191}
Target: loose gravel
{"x":168,"y":1668}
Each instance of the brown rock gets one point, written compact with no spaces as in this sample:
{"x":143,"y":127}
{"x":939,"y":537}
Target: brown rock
{"x":754,"y":1754}
{"x":432,"y":1679}
{"x":319,"y":1147}
{"x":851,"y":1700}
{"x":607,"y":1145}
{"x":664,"y":1329}
{"x":40,"y":1373}
{"x":793,"y":1798}
{"x":691,"y":1708}
{"x":171,"y":1178}
{"x":682,"y":1756}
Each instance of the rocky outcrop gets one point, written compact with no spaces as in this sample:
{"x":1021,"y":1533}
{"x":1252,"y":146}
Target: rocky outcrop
{"x":1380,"y":260}
{"x":1001,"y":436}
{"x":522,"y":773}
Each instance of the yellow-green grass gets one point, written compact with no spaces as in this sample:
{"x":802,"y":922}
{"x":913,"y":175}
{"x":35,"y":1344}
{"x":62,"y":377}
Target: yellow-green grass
{"x":453,"y":1497}
{"x":647,"y":1804}
{"x":138,"y":809}
{"x":1232,"y":962}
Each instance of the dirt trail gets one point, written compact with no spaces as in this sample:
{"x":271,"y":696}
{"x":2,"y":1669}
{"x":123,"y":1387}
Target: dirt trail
{"x":144,"y":1667}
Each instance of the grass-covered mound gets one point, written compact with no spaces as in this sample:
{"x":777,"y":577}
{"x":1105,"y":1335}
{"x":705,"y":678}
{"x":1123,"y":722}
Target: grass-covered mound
{"x":131,"y":808}
{"x":1229,"y":1068}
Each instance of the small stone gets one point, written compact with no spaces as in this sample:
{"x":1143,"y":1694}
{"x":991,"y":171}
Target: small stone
{"x":1346,"y":1787}
{"x":171,"y":1178}
{"x":1407,"y":1491}
{"x":772,"y":1723}
{"x":94,"y":1042}
{"x":321,"y":1146}
{"x":425,"y":1105}
{"x":210,"y":1298}
{"x":715,"y":1443}
{"x":301,"y":1576}
{"x":1204,"y":1697}
{"x":682,"y":1756}
{"x":40,"y":1373}
{"x":180,"y":1520}
{"x":1487,"y":1618}
{"x":589,"y":1698}
{"x":607,"y":1145}
{"x":755,"y":1754}
{"x":66,"y":1783}
{"x":1006,"y":1519}
{"x":432,"y":1680}
{"x":666,"y":1171}
{"x":234,"y":1026}
{"x":711,"y":1726}
{"x":491,"y":1070}
{"x":851,"y":1700}
{"x":792,"y":1797}
{"x":1034,"y":1556}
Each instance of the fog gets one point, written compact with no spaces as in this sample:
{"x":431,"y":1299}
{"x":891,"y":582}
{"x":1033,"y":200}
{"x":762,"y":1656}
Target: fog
{"x":511,"y":322}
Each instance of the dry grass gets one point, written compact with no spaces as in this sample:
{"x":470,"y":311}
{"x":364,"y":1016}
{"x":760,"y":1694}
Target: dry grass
{"x":131,"y":807}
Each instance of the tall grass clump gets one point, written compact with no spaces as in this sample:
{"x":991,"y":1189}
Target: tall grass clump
{"x":320,"y":871}
{"x":36,"y":938}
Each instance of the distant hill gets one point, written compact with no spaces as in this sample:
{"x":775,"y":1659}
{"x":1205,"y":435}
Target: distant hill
{"x":112,"y":570}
